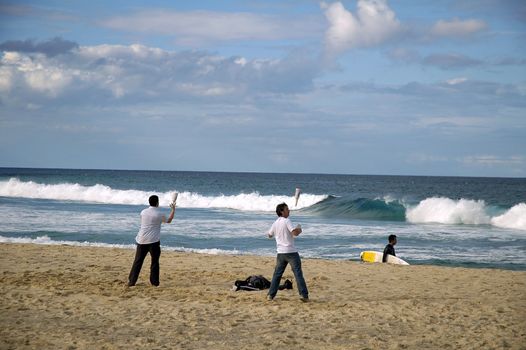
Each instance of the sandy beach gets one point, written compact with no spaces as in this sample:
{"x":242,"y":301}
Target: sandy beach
{"x":64,"y":297}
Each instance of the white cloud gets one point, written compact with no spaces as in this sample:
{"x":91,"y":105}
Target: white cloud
{"x":140,"y":73}
{"x":121,"y":52}
{"x":456,"y":81}
{"x":50,"y":81}
{"x":35,"y":73}
{"x":241,"y":61}
{"x":196,"y":27}
{"x":492,"y":160}
{"x":452,"y":122}
{"x":456,"y":27}
{"x":228,"y":120}
{"x":373,"y":24}
{"x":419,"y":158}
{"x":206,"y":90}
{"x":6,"y":79}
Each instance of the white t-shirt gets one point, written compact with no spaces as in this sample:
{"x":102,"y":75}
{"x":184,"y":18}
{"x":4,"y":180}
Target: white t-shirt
{"x":150,"y":231}
{"x":282,"y":230}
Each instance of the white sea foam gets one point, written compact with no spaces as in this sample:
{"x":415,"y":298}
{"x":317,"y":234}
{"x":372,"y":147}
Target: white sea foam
{"x":45,"y":240}
{"x":388,"y":199}
{"x":107,"y":195}
{"x":210,"y":251}
{"x":465,"y":211}
{"x":449,"y":211}
{"x":513,"y":218}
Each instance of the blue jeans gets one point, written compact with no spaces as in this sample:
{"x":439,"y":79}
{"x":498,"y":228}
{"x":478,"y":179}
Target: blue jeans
{"x":282,"y":260}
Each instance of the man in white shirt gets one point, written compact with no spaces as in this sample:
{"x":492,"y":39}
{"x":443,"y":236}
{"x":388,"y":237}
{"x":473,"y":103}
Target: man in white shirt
{"x":149,"y":240}
{"x":285,"y":233}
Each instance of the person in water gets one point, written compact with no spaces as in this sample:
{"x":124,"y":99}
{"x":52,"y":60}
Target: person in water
{"x":389,"y":248}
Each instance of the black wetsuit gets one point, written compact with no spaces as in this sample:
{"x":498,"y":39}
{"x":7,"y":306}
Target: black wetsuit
{"x":389,"y":249}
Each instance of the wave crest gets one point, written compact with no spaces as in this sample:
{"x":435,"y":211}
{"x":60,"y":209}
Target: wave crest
{"x":430,"y":210}
{"x":449,"y":211}
{"x":106,"y":195}
{"x":465,"y":211}
{"x":360,"y":208}
{"x":514,"y":218}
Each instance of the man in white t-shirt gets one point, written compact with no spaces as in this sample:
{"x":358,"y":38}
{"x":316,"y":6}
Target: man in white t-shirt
{"x":149,"y":240}
{"x":285,"y":233}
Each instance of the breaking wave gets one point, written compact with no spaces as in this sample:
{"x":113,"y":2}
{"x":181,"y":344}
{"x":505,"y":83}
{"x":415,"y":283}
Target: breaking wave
{"x":106,"y":195}
{"x":430,"y":210}
{"x":361,"y":208}
{"x":466,"y":211}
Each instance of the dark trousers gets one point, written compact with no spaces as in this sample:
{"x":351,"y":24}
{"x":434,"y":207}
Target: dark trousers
{"x":282,"y":260}
{"x":142,"y":250}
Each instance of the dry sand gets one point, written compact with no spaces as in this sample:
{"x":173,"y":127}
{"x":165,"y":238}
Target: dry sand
{"x":62,"y":297}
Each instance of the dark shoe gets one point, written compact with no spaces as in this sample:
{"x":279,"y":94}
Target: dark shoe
{"x":288,"y":284}
{"x":305,"y":299}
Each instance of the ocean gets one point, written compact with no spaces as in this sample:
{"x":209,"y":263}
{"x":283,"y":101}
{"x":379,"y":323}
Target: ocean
{"x":449,"y":221}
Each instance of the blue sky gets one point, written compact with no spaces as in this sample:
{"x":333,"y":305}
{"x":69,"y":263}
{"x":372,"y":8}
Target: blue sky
{"x":353,"y":87}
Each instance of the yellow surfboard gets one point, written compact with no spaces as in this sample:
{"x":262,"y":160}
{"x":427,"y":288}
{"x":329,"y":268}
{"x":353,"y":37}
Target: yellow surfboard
{"x":372,"y":256}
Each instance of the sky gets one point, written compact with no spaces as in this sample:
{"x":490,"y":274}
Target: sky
{"x":399,"y":87}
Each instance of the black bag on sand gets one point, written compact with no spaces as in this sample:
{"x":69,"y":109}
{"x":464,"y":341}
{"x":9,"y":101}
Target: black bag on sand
{"x":254,"y":282}
{"x":257,"y":282}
